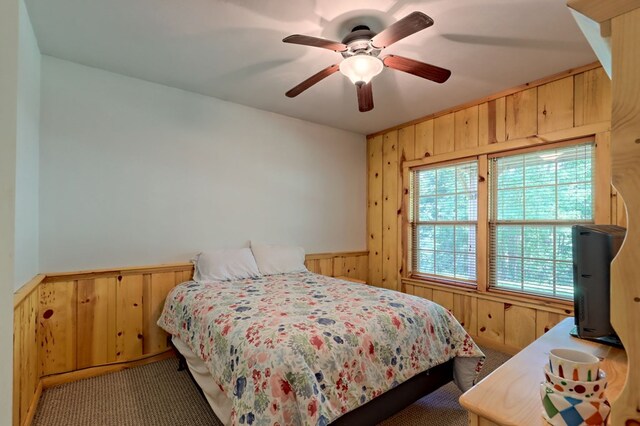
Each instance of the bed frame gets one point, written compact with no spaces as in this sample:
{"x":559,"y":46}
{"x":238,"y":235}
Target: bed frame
{"x":385,"y":405}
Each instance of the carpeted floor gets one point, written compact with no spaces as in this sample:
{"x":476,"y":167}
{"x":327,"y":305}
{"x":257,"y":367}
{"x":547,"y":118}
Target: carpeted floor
{"x":158,"y":394}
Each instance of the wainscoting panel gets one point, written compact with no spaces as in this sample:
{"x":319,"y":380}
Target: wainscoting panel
{"x":505,"y":323}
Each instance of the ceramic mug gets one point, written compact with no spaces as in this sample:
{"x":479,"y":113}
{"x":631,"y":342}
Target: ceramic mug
{"x":560,"y":409}
{"x":586,"y":390}
{"x":574,"y":365}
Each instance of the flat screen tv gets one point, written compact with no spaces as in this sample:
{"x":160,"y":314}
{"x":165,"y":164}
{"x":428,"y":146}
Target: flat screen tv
{"x":594,"y":247}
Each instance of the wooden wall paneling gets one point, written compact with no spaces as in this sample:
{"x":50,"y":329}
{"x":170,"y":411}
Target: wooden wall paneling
{"x":362,"y":268}
{"x":602,"y":201}
{"x":424,"y":292}
{"x":521,"y":114}
{"x":406,"y":152}
{"x":95,"y":333}
{"x":129,"y":316}
{"x":29,"y":367}
{"x":409,"y":289}
{"x":424,"y":139}
{"x":351,"y":266}
{"x":491,"y":121}
{"x":555,"y":105}
{"x":155,"y":290}
{"x":340,"y":267}
{"x":57,"y":327}
{"x":390,"y":211}
{"x":491,"y":320}
{"x":465,"y":309}
{"x":443,"y":298}
{"x":374,"y":210}
{"x":17,"y":367}
{"x":186,"y":276}
{"x":520,"y":326}
{"x":592,"y":97}
{"x":466,"y":128}
{"x":443,"y":134}
{"x":313,"y":265}
{"x":322,"y":266}
{"x":326,"y":267}
{"x":546,"y":320}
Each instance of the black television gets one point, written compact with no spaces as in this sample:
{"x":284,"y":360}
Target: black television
{"x":594,"y":247}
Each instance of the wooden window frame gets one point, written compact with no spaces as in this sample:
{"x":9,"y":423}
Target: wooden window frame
{"x":599,"y":133}
{"x":491,"y":187}
{"x":409,"y":234}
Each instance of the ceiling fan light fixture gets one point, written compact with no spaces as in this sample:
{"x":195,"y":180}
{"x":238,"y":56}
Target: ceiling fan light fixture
{"x":360,"y":69}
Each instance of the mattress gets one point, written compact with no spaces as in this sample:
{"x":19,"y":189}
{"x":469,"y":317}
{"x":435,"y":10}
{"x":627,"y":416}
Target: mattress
{"x":305,"y":349}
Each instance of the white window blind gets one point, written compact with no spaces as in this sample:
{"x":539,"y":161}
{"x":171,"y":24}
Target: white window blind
{"x":444,"y":221}
{"x":535,"y":198}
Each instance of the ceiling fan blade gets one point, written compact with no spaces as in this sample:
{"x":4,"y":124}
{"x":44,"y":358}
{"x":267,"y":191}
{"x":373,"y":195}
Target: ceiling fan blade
{"x":411,"y":66}
{"x":365,"y":97}
{"x":315,"y":42}
{"x":312,"y":80}
{"x":410,"y":24}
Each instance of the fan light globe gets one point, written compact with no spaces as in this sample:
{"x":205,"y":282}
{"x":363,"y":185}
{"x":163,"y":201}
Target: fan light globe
{"x":361,"y":68}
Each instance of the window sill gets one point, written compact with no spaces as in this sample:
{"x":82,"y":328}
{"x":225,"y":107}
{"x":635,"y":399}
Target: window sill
{"x":564,"y":307}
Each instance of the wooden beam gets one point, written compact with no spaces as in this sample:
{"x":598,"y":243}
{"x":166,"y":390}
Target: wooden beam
{"x":603,"y":10}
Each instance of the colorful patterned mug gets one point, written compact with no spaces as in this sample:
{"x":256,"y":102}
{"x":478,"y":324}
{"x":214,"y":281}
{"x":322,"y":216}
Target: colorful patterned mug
{"x":585,"y":390}
{"x":574,"y":365}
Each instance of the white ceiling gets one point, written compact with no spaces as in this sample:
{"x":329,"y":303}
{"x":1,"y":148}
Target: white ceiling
{"x":232,"y":50}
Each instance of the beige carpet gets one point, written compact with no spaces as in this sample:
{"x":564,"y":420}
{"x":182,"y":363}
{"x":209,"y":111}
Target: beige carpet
{"x":158,"y":394}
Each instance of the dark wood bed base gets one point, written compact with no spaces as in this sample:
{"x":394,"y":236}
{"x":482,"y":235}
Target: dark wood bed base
{"x":385,"y":405}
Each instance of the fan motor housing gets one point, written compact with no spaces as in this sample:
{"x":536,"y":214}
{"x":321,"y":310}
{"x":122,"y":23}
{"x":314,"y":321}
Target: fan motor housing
{"x":359,"y":41}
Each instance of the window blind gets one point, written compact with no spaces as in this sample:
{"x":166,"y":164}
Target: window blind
{"x":444,"y":221}
{"x":535,"y":198}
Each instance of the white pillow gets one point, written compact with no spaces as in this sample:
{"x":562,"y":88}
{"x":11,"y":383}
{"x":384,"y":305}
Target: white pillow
{"x":231,"y":264}
{"x":275,"y":259}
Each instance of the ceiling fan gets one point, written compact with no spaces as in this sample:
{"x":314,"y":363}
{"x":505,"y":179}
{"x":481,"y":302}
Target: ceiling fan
{"x":361,"y":49}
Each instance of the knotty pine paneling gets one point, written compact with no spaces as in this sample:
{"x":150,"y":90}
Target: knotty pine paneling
{"x":505,"y":325}
{"x":57,"y":327}
{"x":555,"y":105}
{"x":522,"y":114}
{"x":374,"y":210}
{"x":443,"y":134}
{"x":26,"y":368}
{"x":572,"y":100}
{"x":466,"y":128}
{"x":424,"y":139}
{"x":592,"y":93}
{"x":390,"y":201}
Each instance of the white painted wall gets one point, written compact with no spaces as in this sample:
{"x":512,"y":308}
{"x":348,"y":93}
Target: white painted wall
{"x":9,"y":18}
{"x":133,"y":172}
{"x":27,"y":155}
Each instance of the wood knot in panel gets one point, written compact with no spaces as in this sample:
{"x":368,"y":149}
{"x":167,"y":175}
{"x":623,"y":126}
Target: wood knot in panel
{"x":47,"y":314}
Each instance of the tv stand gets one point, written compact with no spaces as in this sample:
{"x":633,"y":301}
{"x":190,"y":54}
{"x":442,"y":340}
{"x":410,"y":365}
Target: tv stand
{"x":511,"y":394}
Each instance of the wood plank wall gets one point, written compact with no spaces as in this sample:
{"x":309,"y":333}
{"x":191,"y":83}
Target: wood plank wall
{"x":572,"y":104}
{"x":68,"y":322}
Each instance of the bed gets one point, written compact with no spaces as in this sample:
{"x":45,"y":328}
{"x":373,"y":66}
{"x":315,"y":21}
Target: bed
{"x":307,"y":349}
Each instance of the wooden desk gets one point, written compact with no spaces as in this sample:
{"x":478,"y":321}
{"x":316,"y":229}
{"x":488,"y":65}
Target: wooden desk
{"x":511,"y":394}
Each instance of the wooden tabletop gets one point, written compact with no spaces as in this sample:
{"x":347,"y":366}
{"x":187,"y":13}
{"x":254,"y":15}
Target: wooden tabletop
{"x":511,"y":394}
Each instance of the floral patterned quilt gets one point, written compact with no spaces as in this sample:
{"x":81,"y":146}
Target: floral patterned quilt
{"x":304,"y":349}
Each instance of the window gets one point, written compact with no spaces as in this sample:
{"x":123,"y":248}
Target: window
{"x":443,"y":221}
{"x":535,"y":198}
